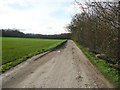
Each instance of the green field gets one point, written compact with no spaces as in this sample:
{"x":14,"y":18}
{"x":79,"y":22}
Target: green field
{"x":16,"y":50}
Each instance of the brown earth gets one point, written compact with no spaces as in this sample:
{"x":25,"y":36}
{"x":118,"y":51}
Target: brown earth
{"x":66,"y":67}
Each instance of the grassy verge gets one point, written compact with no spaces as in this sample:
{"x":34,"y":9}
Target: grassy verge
{"x":17,"y":50}
{"x":111,"y":73}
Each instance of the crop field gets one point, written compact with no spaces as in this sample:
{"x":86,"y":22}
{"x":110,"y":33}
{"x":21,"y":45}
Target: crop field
{"x":16,"y":50}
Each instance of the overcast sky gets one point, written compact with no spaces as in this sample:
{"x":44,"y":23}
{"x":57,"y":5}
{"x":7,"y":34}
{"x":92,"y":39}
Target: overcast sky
{"x":37,"y":16}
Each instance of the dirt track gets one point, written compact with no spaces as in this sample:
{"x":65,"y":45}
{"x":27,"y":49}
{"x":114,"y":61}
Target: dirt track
{"x":66,"y":67}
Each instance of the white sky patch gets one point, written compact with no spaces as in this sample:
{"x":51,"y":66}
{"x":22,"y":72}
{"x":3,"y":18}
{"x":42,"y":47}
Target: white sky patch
{"x":36,"y":16}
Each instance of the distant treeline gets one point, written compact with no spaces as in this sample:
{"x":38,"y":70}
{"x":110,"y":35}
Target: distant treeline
{"x":17,"y":33}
